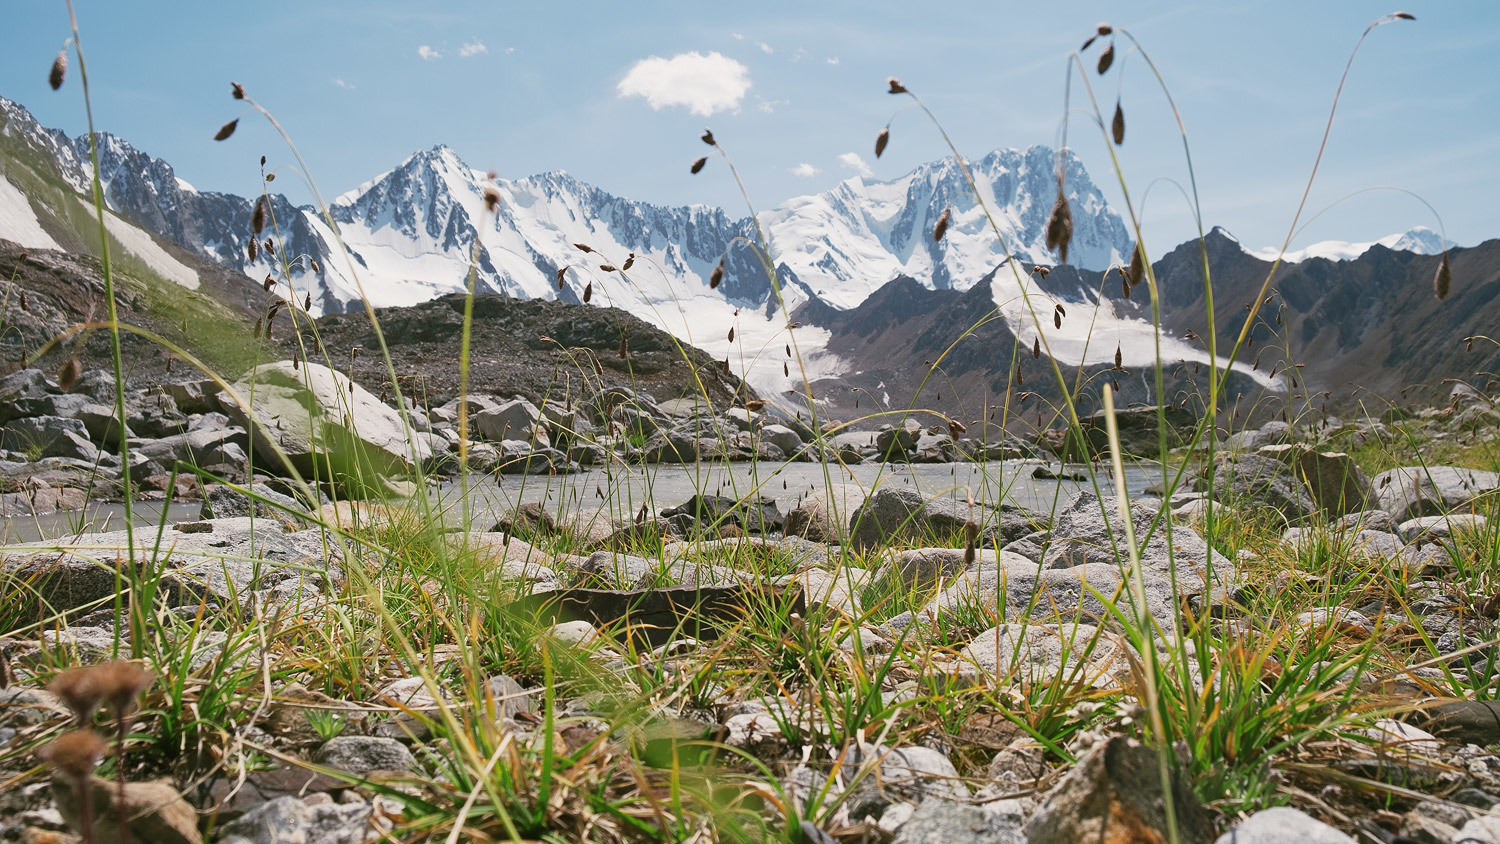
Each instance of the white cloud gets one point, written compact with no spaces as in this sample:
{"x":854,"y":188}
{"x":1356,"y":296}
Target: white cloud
{"x":473,"y":48}
{"x":428,"y":53}
{"x":509,"y":50}
{"x":833,"y":59}
{"x":342,"y":84}
{"x":805,"y":170}
{"x":738,"y":36}
{"x":769,"y":106}
{"x":704,"y":84}
{"x":764,"y":47}
{"x":857,"y":164}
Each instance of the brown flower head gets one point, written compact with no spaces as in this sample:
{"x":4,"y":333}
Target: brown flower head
{"x":75,"y":754}
{"x":79,"y":690}
{"x":59,"y":70}
{"x":122,"y":682}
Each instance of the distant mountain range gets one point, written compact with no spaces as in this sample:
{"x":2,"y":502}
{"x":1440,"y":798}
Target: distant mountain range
{"x":413,"y":233}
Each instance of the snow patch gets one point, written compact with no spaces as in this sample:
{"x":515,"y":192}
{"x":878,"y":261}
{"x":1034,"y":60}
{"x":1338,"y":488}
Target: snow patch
{"x":18,"y":222}
{"x":140,"y":244}
{"x":1421,"y":240}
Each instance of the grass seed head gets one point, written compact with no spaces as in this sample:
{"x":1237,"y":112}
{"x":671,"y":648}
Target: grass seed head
{"x":1020,"y":379}
{"x":237,"y":90}
{"x":731,"y":334}
{"x":942,"y":225}
{"x":1104,"y":29}
{"x":717,"y":276}
{"x":1117,"y":126}
{"x":562,"y":273}
{"x":1088,"y":42}
{"x":881,"y":140}
{"x":258,"y":217}
{"x":629,"y":262}
{"x":269,"y":247}
{"x":708,"y":138}
{"x":698,"y":165}
{"x":583,"y":247}
{"x":588,"y":292}
{"x":608,"y":268}
{"x":1443,"y":280}
{"x":307,"y":301}
{"x":491,"y":198}
{"x":75,"y":754}
{"x":1036,"y":348}
{"x":1106,"y":59}
{"x":314,"y":263}
{"x":253,"y":249}
{"x":226,"y":130}
{"x":59,"y":71}
{"x":1060,"y":225}
{"x":1119,"y":360}
{"x":1137,"y":270}
{"x":268,"y":283}
{"x":896,"y":86}
{"x":68,"y":375}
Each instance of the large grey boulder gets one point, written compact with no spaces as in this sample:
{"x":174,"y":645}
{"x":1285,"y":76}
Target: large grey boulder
{"x":323,"y":421}
{"x":938,"y":821}
{"x":49,"y":436}
{"x":892,"y":515}
{"x":1089,"y":530}
{"x":1281,"y":825}
{"x":1261,"y":480}
{"x":1336,"y":483}
{"x":359,"y":755}
{"x":288,"y":819}
{"x":517,"y":419}
{"x":1412,"y":491}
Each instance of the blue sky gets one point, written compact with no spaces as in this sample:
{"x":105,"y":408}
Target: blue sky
{"x":526,"y":88}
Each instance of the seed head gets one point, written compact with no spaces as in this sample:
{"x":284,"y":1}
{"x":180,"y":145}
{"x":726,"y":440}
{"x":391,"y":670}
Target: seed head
{"x":583,"y":247}
{"x":75,"y":754}
{"x":227,"y":129}
{"x":942,"y":225}
{"x":59,"y":69}
{"x":1036,"y":349}
{"x":588,"y":292}
{"x":237,"y":90}
{"x":268,"y":283}
{"x":253,"y":249}
{"x":1088,"y":42}
{"x":122,"y":681}
{"x":1119,"y":361}
{"x":1060,"y":226}
{"x":629,"y":261}
{"x":1019,"y":378}
{"x":491,"y":198}
{"x":1117,"y":126}
{"x":698,"y":165}
{"x":1137,"y":270}
{"x":25,"y":302}
{"x":307,"y":301}
{"x":731,"y":334}
{"x":896,"y":86}
{"x":79,"y":690}
{"x":270,"y":247}
{"x":258,"y":217}
{"x":708,"y":138}
{"x":315,"y":268}
{"x":881,"y":140}
{"x":1106,"y":59}
{"x":1041,"y":272}
{"x":717,"y":276}
{"x":786,"y":371}
{"x":624,"y":347}
{"x":608,"y":268}
{"x":1444,"y":277}
{"x":1124,"y":285}
{"x":68,"y":375}
{"x":1406,"y":16}
{"x":956,"y":427}
{"x":1105,"y":29}
{"x":562,"y":273}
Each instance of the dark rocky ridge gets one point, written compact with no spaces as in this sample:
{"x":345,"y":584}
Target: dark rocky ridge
{"x":528,"y":347}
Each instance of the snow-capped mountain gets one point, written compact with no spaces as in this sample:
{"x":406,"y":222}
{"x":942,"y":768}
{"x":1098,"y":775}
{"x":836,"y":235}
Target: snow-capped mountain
{"x":1421,"y":240}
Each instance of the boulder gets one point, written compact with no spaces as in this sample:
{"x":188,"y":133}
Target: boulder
{"x":892,"y":515}
{"x":1337,"y":485}
{"x":517,"y":419}
{"x":1115,"y":794}
{"x":1280,"y":825}
{"x":1412,"y":491}
{"x":1261,"y":480}
{"x":325,"y":422}
{"x":1089,"y":530}
{"x":758,"y":516}
{"x":784,"y":438}
{"x":48,"y":436}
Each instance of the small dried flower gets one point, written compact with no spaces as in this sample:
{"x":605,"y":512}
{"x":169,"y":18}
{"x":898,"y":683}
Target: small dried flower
{"x":896,"y":86}
{"x":1119,"y":361}
{"x":1117,"y":126}
{"x":270,"y":177}
{"x":68,"y":375}
{"x":588,"y":292}
{"x":226,"y":130}
{"x":698,"y":165}
{"x":1041,"y":271}
{"x":726,"y":366}
{"x":75,"y":754}
{"x":1105,"y":29}
{"x":956,"y":427}
{"x":708,"y":138}
{"x":258,"y":217}
{"x":1106,"y":59}
{"x":1124,"y":285}
{"x":786,"y":371}
{"x":624,"y":347}
{"x":307,"y":301}
{"x":629,"y":262}
{"x":562,"y":273}
{"x":25,"y":302}
{"x":268,"y":283}
{"x":79,"y":690}
{"x":942,"y":225}
{"x":59,"y":69}
{"x":583,"y":247}
{"x":253,"y":249}
{"x":122,"y":682}
{"x":236,"y":90}
{"x":315,"y":268}
{"x":881,"y":140}
{"x":1444,"y":277}
{"x":608,"y":268}
{"x":1089,"y":42}
{"x":1036,"y":348}
{"x":1020,"y":380}
{"x":1137,"y":270}
{"x":717,"y":276}
{"x":1406,"y":16}
{"x":755,"y":405}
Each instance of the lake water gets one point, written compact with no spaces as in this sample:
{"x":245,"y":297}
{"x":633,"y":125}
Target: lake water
{"x":624,"y":490}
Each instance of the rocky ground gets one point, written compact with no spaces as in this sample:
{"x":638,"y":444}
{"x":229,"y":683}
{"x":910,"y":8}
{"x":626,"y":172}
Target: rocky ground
{"x":1316,"y":643}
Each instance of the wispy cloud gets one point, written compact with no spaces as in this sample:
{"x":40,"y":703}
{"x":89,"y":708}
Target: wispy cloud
{"x":704,"y":84}
{"x":428,"y":53}
{"x":857,"y":164}
{"x":342,"y":84}
{"x":805,"y":170}
{"x":765,"y":48}
{"x":472,"y":48}
{"x":769,"y":106}
{"x":738,"y":36}
{"x":833,"y":59}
